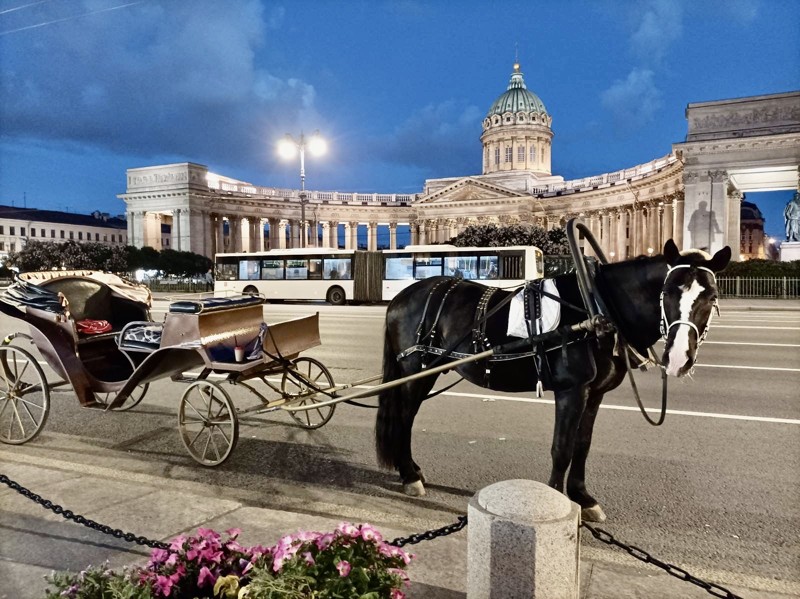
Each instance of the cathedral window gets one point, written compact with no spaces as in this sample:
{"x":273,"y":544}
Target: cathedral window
{"x":533,"y":154}
{"x":521,"y":154}
{"x":497,"y":155}
{"x":509,"y":154}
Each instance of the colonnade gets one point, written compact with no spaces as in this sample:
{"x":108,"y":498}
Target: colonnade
{"x":635,"y":230}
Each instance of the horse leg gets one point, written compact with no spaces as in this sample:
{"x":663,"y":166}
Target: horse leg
{"x":397,"y":410}
{"x":576,"y":481}
{"x":569,"y":407}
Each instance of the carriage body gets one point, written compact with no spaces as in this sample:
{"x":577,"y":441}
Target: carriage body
{"x":111,"y":366}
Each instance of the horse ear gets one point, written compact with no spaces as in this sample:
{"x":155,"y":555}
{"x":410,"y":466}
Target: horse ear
{"x":671,"y":252}
{"x":720,"y":259}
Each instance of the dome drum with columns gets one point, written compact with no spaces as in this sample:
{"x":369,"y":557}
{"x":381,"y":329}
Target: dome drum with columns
{"x":631,"y":212}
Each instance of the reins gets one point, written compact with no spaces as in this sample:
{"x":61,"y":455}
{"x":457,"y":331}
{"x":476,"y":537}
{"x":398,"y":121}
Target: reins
{"x":594,"y":303}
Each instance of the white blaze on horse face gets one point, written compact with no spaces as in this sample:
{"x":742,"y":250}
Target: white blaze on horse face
{"x":679,"y":352}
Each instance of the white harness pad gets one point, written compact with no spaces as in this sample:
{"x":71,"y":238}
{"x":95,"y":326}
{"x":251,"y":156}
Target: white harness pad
{"x":551,"y":313}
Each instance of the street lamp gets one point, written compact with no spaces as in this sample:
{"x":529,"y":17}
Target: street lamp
{"x":288,"y":148}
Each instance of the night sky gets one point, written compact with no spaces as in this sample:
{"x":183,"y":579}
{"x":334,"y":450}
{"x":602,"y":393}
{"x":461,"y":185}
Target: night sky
{"x":90,"y":88}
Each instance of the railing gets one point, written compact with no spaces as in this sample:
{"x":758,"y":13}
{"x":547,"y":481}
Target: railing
{"x":774,"y":287}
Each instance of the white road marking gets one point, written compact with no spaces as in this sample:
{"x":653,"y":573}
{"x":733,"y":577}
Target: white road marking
{"x":775,"y":368}
{"x":634,"y":408}
{"x":733,"y":326}
{"x":751,"y":343}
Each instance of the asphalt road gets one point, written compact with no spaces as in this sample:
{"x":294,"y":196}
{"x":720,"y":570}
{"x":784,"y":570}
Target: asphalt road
{"x":716,"y":486}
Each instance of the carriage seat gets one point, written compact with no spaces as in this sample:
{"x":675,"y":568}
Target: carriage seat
{"x":141,"y":335}
{"x":214,"y":304}
{"x":89,"y":299}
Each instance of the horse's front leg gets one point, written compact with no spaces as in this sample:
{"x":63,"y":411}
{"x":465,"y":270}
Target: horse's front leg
{"x":576,"y":481}
{"x":569,"y":409}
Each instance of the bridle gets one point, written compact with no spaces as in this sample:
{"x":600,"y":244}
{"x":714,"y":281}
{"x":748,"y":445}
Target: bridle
{"x":665,"y":325}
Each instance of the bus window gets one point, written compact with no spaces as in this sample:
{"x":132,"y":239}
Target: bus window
{"x":337,"y":268}
{"x":488,"y":267}
{"x":427,"y":266}
{"x":227,"y":271}
{"x":272,"y":269}
{"x":248,"y":270}
{"x":399,"y":268}
{"x":315,"y":268}
{"x":465,"y":267}
{"x":296,"y":269}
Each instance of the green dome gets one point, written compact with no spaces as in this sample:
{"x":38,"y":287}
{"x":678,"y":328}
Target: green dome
{"x":517,"y":97}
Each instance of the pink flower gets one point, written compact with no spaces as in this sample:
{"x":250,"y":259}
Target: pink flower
{"x":206,"y":578}
{"x":158,"y":556}
{"x":324,"y":541}
{"x":163,"y":585}
{"x":347,"y":529}
{"x":397,"y":594}
{"x":233,"y":532}
{"x":368,"y":533}
{"x":177,"y":543}
{"x":344,"y":568}
{"x":309,"y":559}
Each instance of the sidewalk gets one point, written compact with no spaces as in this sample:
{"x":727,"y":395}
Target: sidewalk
{"x":35,"y":541}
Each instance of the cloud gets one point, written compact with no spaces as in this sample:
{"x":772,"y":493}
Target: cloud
{"x":439,"y":138}
{"x":634,"y":101}
{"x":167,"y":78}
{"x":661,"y":23}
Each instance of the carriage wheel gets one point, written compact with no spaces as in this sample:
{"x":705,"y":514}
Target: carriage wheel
{"x":132,"y":401}
{"x":208,"y":423}
{"x":24,"y":396}
{"x":306,"y":377}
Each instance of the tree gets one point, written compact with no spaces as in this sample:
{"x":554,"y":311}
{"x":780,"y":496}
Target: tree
{"x":553,"y":242}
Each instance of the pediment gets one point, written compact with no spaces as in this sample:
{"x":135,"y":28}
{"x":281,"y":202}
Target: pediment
{"x":467,"y":189}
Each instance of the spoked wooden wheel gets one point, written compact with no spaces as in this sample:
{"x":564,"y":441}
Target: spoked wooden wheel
{"x":132,"y":401}
{"x":303,"y":382}
{"x":208,"y":423}
{"x":24,"y":396}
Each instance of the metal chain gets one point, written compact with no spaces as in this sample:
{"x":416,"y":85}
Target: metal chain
{"x":69,"y":515}
{"x":598,"y":533}
{"x":640,"y":554}
{"x":431,"y":534}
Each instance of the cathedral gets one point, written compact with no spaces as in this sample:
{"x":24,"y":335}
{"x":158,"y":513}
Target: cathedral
{"x":692,"y":195}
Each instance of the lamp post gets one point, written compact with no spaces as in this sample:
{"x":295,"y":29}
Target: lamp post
{"x":288,"y":148}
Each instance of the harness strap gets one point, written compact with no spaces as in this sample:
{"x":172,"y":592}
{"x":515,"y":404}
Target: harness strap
{"x":479,"y":340}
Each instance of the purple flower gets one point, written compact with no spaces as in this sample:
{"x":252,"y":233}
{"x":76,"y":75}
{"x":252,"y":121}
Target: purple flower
{"x":344,"y":568}
{"x":163,"y":585}
{"x":158,"y":556}
{"x":206,"y":578}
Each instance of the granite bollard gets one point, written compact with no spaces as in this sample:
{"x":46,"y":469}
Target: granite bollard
{"x":523,"y":543}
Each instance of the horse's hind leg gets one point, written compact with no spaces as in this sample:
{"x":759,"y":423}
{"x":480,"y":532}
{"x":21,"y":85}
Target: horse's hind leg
{"x":411,"y":476}
{"x":576,"y":481}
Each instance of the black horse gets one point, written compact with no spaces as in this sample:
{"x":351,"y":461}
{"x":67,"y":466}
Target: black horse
{"x":673,"y":293}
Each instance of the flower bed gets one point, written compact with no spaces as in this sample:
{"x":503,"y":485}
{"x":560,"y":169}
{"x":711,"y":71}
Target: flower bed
{"x":353,"y":561}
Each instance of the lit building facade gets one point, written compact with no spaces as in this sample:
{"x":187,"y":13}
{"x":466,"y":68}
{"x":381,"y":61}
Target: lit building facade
{"x":692,"y":195}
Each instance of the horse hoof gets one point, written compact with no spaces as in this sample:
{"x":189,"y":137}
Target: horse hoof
{"x":593,"y":514}
{"x":415,"y":489}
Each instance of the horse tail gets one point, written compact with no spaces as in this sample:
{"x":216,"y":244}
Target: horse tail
{"x":388,"y":424}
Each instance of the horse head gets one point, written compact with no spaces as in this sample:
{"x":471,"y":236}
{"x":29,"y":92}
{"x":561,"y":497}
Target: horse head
{"x":688,"y":300}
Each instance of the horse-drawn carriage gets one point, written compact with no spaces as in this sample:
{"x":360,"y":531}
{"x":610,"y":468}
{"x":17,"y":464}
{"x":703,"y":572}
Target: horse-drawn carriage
{"x":607,"y":319}
{"x":94,"y":331}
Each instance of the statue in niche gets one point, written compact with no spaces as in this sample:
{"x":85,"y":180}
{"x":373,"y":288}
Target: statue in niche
{"x":703,"y":227}
{"x":791,"y":216}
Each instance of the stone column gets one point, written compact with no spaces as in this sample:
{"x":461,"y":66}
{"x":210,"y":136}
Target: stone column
{"x":423,"y":233}
{"x":637,"y":230}
{"x":392,"y":236}
{"x":734,"y":223}
{"x":372,"y":236}
{"x":326,"y":234}
{"x":334,"y":240}
{"x":523,"y":542}
{"x":679,"y":224}
{"x":252,"y":226}
{"x":353,"y":235}
{"x":294,"y":233}
{"x":414,"y":230}
{"x":261,"y":236}
{"x":282,"y":224}
{"x":668,"y":224}
{"x":622,"y":234}
{"x":606,"y":240}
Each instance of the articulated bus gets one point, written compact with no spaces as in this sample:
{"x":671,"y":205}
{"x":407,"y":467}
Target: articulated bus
{"x":339,"y":276}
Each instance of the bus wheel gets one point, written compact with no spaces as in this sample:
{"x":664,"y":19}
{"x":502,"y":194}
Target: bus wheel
{"x":336,"y":296}
{"x":250,"y":290}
